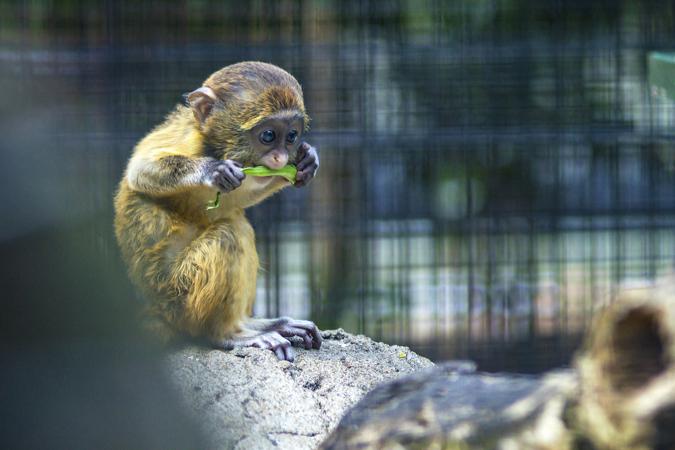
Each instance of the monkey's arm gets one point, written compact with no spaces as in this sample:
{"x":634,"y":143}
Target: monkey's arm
{"x":165,"y":173}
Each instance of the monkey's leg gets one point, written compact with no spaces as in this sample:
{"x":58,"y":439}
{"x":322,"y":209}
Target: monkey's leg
{"x":217,"y":273}
{"x":288,"y":327}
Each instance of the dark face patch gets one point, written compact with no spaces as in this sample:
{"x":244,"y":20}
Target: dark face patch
{"x":250,"y":93}
{"x":280,"y":131}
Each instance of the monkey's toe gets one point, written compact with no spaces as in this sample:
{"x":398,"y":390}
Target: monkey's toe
{"x":305,"y":329}
{"x":289,"y":331}
{"x":277,"y":343}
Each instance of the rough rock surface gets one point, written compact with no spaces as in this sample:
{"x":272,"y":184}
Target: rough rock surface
{"x":452,"y":407}
{"x":247,"y":399}
{"x":620,"y":395}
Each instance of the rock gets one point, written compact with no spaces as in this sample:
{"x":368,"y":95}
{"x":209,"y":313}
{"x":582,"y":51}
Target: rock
{"x":247,"y":399}
{"x":450,"y":407}
{"x":619,"y":396}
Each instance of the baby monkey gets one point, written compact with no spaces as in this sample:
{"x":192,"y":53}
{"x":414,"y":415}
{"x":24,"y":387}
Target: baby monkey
{"x":198,"y":267}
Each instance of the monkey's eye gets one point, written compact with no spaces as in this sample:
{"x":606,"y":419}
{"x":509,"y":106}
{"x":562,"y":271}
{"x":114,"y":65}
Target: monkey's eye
{"x":292,"y":136}
{"x":267,"y":136}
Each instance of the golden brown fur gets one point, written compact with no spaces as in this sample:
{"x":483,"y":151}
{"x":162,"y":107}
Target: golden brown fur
{"x":198,"y":268}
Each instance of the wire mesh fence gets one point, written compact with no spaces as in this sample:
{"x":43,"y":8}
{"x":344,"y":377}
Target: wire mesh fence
{"x":490,"y":170}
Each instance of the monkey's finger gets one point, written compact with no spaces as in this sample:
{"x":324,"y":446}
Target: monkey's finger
{"x":225,"y":187}
{"x":303,"y":149}
{"x":232,"y":179}
{"x":217,"y":175}
{"x":303,"y":175}
{"x":304,"y":162}
{"x":227,"y":171}
{"x":223,"y":183}
{"x":306,"y":175}
{"x":234,"y":168}
{"x":238,"y":173}
{"x":310,"y":158}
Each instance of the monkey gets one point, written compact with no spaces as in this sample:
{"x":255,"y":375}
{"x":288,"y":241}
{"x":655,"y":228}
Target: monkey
{"x":197,"y":268}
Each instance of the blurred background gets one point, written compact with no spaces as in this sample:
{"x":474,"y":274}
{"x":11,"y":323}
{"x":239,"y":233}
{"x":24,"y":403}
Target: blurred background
{"x":490,"y":169}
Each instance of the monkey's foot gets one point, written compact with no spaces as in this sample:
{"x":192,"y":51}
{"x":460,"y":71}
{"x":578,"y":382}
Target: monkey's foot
{"x":270,"y":340}
{"x":305,"y":329}
{"x":272,"y":333}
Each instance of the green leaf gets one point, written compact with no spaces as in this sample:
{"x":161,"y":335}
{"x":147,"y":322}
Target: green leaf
{"x":289,"y":172}
{"x":214,"y":203}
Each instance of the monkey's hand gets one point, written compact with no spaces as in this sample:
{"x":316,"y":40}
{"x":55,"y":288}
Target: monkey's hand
{"x":307,"y":164}
{"x":223,"y":175}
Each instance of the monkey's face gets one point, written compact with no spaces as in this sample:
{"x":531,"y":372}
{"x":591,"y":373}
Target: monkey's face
{"x":252,"y":113}
{"x":275,"y":140}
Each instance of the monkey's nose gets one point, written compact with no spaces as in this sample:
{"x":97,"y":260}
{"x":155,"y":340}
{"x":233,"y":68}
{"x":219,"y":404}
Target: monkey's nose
{"x":276,"y":159}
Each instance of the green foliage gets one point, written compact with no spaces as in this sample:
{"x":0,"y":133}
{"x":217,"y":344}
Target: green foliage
{"x":289,"y":172}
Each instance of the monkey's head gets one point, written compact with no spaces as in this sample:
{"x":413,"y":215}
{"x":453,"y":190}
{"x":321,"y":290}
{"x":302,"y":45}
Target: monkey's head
{"x":251,"y":112}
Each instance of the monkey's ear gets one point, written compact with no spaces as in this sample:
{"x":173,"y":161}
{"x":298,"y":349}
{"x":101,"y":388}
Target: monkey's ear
{"x":201,"y":101}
